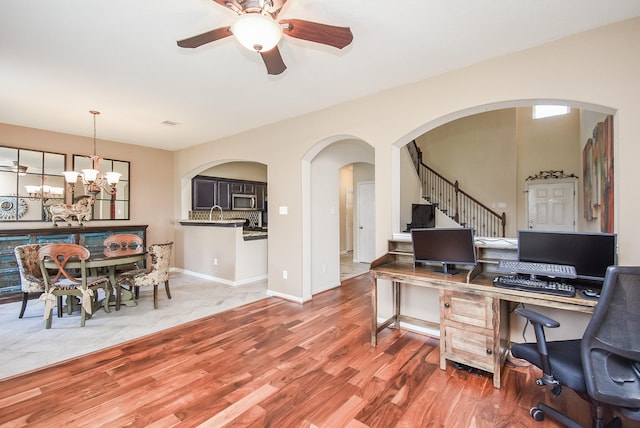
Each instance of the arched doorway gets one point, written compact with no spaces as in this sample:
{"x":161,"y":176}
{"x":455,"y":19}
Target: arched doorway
{"x":534,"y":149}
{"x":321,"y":206}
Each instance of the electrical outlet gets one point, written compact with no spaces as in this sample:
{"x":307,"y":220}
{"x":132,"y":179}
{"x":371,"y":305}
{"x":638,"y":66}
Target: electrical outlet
{"x":284,"y":274}
{"x":215,"y":261}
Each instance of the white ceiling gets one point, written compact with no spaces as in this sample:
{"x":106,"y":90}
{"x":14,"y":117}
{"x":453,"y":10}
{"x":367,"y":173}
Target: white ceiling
{"x":60,"y":59}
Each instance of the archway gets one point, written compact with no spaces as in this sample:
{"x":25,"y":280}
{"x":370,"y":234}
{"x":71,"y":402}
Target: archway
{"x":587,"y":114}
{"x":321,"y":200}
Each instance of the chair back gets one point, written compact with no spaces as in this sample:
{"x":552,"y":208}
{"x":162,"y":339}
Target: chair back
{"x":160,"y":258}
{"x":29,"y":267}
{"x":61,"y":254}
{"x":123,"y":244}
{"x":610,"y":347}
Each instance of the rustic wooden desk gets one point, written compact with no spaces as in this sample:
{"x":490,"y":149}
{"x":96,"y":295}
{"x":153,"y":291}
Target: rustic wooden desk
{"x":474,"y":315}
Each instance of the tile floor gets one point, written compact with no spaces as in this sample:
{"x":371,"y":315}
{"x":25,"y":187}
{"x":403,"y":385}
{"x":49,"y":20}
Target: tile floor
{"x":27,"y":345}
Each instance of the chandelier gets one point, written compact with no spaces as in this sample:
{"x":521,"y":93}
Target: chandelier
{"x":92,"y":179}
{"x":44,"y":192}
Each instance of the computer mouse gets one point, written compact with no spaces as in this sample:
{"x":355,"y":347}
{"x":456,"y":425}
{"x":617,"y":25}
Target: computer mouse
{"x":590,"y":293}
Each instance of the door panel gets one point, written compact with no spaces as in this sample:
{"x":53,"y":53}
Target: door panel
{"x":552,"y":206}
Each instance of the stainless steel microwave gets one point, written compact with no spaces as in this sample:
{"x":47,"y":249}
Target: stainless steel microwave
{"x":243,"y":202}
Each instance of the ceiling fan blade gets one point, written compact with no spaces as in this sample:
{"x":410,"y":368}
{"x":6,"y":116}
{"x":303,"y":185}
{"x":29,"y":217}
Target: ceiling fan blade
{"x":338,"y":37}
{"x":204,"y":38}
{"x":273,"y":60}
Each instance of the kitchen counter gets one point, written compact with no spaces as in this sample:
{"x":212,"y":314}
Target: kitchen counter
{"x":248,"y":234}
{"x":223,"y":251}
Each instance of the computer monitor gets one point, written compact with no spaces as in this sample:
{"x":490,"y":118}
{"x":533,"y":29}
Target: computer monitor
{"x":589,"y":253}
{"x":445,"y":246}
{"x":423,"y":216}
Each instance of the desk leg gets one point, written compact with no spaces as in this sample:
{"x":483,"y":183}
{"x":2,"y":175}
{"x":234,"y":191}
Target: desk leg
{"x":374,"y":312}
{"x":396,"y":303}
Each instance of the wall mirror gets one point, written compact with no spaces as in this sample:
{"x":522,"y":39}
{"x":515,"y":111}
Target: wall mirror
{"x":106,"y":206}
{"x":29,"y":181}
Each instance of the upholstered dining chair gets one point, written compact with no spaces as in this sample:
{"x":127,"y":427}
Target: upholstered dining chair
{"x":157,"y":273}
{"x":31,"y":280}
{"x":66,"y":282}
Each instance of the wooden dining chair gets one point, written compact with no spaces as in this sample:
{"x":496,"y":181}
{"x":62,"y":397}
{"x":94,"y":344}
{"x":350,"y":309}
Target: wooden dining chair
{"x":157,"y":273}
{"x":31,"y":280}
{"x":123,"y":243}
{"x":67,"y":282}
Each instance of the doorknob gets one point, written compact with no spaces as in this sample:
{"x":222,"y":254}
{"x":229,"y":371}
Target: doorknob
{"x":361,"y":227}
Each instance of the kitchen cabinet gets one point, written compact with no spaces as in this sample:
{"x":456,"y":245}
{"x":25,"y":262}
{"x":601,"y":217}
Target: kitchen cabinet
{"x":261,"y":197}
{"x":203,"y":193}
{"x":242,"y":188}
{"x":209,"y":191}
{"x":223,"y":199}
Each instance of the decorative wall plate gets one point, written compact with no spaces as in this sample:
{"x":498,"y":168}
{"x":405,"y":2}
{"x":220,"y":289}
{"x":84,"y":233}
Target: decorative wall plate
{"x":12,"y":208}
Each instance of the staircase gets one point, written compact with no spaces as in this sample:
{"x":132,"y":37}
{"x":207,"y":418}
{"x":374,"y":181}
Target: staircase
{"x":454,"y":202}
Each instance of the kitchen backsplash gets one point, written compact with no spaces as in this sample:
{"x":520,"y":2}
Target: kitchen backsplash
{"x":254,"y":217}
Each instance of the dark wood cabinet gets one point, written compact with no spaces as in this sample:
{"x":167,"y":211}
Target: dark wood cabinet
{"x":224,"y":195}
{"x":203,"y":191}
{"x":90,"y":237}
{"x":261,"y":197}
{"x":209,"y":191}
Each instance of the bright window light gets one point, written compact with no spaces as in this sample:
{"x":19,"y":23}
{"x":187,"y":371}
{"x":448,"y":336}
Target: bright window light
{"x":542,"y":111}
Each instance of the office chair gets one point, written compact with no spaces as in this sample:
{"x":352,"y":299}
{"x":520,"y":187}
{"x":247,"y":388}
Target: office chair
{"x":603,"y":366}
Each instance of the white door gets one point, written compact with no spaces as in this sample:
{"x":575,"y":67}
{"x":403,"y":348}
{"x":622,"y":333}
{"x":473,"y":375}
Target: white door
{"x":552,"y":206}
{"x":366,"y":222}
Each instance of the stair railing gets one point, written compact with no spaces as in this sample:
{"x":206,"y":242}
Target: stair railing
{"x":455,"y":202}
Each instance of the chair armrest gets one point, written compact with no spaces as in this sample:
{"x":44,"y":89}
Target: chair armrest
{"x":537,"y":318}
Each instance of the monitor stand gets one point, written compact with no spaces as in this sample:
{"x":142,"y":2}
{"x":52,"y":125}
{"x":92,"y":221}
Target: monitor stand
{"x":446,"y":269}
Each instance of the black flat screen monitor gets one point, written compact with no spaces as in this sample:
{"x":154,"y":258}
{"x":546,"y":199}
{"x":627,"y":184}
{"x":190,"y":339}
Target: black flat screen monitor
{"x":423,"y":216}
{"x":589,"y":253}
{"x":445,"y":246}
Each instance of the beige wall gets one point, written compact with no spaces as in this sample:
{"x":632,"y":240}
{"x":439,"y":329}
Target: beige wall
{"x":152,"y":190}
{"x":479,"y":151}
{"x":390,"y":119}
{"x":251,"y":171}
{"x":492,"y":154}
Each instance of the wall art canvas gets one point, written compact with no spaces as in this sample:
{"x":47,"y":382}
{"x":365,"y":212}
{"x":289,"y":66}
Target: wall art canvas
{"x":598,"y":173}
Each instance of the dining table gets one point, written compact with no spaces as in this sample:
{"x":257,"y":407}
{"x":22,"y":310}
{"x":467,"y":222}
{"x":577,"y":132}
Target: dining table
{"x":109,"y":259}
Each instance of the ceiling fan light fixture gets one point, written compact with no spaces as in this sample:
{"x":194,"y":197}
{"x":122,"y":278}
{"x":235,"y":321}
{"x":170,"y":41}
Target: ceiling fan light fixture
{"x":257,"y":32}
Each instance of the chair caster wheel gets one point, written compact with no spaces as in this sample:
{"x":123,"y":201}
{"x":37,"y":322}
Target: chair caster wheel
{"x":536,"y":414}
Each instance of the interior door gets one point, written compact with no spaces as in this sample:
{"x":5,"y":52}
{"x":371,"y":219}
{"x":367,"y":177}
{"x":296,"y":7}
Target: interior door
{"x":366,"y":222}
{"x":552,"y":206}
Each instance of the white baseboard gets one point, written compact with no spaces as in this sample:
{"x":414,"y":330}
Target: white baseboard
{"x":220,"y":280}
{"x":286,"y":296}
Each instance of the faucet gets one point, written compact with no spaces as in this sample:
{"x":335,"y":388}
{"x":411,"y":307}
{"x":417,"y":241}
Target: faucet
{"x":213,"y":208}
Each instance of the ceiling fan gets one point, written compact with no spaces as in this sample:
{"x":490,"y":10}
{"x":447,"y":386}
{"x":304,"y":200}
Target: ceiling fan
{"x":263,"y":14}
{"x":13,"y":166}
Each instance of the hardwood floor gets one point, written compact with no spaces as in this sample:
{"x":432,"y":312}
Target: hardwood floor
{"x":274,"y":363}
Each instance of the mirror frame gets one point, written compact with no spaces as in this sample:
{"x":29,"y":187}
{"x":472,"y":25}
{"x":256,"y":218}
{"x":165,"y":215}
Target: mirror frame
{"x":16,"y":205}
{"x":106,"y":206}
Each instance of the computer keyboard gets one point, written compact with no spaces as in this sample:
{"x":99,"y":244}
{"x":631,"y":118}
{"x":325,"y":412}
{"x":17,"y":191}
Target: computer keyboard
{"x":534,"y":268}
{"x":516,"y":282}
